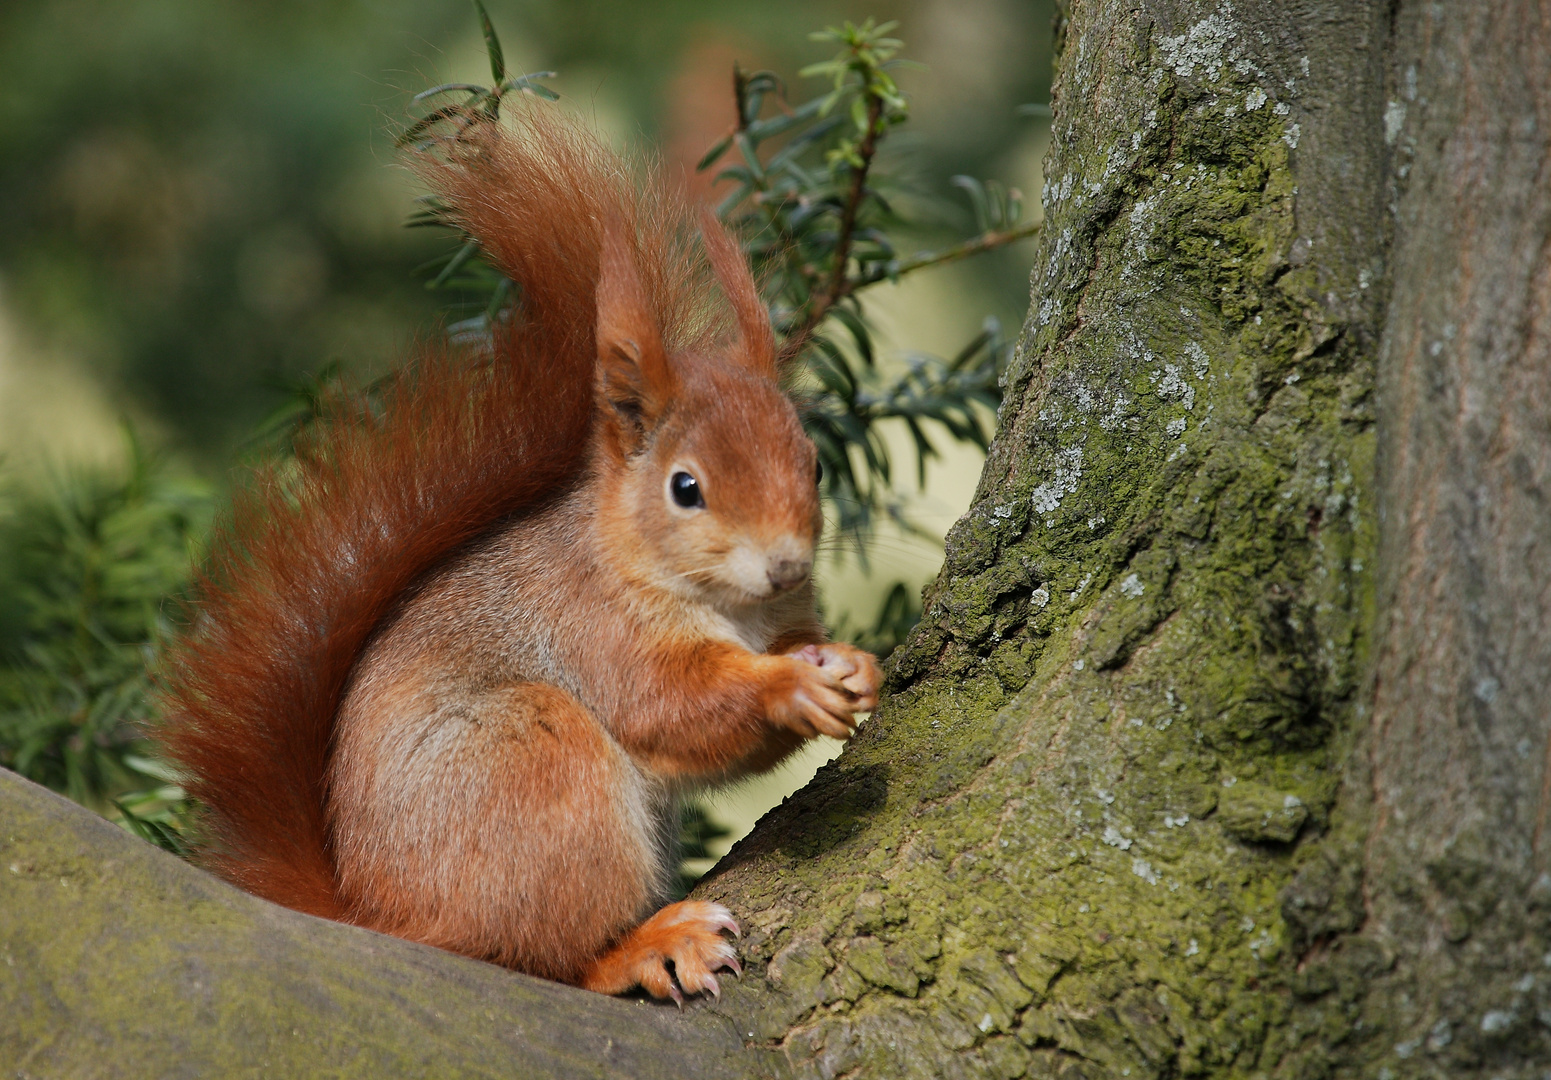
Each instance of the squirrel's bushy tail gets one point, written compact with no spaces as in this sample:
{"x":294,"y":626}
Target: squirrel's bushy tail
{"x":537,"y":192}
{"x":316,"y":551}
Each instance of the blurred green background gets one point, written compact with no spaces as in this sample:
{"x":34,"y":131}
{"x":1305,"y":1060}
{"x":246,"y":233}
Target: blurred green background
{"x":200,"y":205}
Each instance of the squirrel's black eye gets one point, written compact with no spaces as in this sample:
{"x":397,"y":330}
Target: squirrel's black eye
{"x":686,"y":490}
{"x":818,"y":472}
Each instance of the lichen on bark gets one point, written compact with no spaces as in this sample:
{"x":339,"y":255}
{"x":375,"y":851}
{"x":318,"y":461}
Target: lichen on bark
{"x":1090,"y":833}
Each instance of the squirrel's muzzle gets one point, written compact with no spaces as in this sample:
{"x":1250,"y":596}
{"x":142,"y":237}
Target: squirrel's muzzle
{"x":788,"y":573}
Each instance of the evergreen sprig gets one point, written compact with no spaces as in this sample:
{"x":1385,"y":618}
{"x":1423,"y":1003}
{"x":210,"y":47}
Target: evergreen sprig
{"x":88,"y":571}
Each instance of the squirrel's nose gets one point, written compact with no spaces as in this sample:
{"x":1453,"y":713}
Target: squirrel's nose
{"x":788,"y":573}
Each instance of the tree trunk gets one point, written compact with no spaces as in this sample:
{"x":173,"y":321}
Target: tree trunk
{"x":1218,"y":751}
{"x":1456,"y":852}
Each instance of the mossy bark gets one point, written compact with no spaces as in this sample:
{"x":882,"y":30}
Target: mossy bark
{"x":1162,"y":786}
{"x":1221,"y":748}
{"x":119,"y":961}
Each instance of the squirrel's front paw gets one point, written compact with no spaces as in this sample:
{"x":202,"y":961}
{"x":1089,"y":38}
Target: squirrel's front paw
{"x":830,"y":684}
{"x":856,"y":669}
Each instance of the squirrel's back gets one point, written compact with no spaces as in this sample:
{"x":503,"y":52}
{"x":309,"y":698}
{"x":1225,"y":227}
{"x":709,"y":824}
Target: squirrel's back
{"x":318,"y":551}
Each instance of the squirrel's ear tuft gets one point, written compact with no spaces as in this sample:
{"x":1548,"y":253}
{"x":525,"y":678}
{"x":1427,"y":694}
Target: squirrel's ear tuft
{"x":756,"y":341}
{"x":634,"y":377}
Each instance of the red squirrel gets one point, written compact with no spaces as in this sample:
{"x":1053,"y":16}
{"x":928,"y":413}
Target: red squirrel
{"x":453,"y":667}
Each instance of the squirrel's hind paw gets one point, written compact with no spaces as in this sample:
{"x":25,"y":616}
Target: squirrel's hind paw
{"x":687,"y":933}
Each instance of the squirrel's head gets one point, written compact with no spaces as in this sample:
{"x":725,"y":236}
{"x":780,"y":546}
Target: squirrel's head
{"x":709,"y":484}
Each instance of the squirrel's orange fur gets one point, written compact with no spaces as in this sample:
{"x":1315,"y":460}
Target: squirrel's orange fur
{"x":450,"y":671}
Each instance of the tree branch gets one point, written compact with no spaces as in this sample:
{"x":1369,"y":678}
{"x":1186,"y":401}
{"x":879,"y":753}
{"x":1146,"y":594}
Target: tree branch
{"x":104,"y":927}
{"x":987,"y":241}
{"x":832,"y":295}
{"x":837,"y":291}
